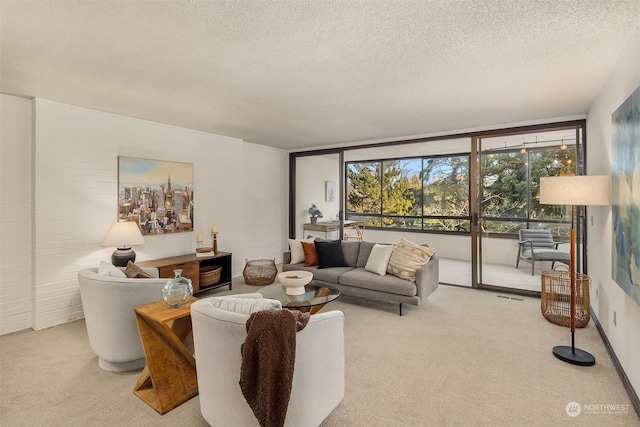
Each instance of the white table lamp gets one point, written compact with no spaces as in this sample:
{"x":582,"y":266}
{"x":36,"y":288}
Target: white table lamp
{"x":123,"y":235}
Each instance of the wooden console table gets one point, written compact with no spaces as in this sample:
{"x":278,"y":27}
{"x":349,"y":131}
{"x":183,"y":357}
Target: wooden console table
{"x":169,"y":377}
{"x":190,"y":265}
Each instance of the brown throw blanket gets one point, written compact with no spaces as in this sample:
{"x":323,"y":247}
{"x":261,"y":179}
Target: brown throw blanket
{"x":268,"y":358}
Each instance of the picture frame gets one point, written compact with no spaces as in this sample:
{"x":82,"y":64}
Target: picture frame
{"x":156,"y":194}
{"x":330,"y":191}
{"x":625,"y":199}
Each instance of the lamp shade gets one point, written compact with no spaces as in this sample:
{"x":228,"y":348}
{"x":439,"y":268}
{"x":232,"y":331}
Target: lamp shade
{"x":581,"y":190}
{"x":124,"y":234}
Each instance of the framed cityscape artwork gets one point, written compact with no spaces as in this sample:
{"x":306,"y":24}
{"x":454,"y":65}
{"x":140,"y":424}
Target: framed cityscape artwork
{"x":156,"y":194}
{"x":625,"y":196}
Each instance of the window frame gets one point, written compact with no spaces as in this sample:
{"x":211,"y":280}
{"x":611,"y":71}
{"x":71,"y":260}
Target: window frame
{"x":360,"y":216}
{"x":423,"y":219}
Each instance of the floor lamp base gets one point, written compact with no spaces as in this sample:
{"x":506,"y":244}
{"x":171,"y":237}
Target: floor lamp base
{"x":573,"y":355}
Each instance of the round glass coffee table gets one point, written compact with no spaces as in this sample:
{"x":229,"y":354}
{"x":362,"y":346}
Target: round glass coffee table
{"x":315,"y":297}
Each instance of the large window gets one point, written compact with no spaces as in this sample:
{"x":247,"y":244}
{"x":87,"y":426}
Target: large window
{"x":432,"y":193}
{"x":426,"y":193}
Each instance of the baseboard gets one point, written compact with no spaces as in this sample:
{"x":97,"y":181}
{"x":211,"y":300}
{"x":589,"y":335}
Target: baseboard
{"x":623,"y":376}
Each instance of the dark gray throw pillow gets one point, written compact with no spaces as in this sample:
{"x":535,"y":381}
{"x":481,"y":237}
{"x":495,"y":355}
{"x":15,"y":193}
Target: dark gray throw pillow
{"x":330,"y":254}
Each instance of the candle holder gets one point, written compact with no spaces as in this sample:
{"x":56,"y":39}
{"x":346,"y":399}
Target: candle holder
{"x":215,"y":242}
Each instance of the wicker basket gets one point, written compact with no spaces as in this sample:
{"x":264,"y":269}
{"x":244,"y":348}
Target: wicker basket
{"x":556,"y":298}
{"x":210,"y":275}
{"x":260,"y":272}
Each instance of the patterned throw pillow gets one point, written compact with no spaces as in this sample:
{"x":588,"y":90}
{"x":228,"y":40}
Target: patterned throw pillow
{"x":135,"y":272}
{"x":407,"y":258}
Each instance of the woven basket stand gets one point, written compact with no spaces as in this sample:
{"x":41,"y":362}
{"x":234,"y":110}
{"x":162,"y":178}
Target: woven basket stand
{"x":260,"y":272}
{"x":555,"y":298}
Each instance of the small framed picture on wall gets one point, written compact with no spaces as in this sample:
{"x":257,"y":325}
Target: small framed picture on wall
{"x":330,"y":191}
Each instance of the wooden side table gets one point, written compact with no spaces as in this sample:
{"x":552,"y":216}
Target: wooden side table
{"x":169,"y":378}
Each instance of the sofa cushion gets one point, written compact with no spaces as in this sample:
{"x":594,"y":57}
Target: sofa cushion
{"x":363,"y":254}
{"x":310,"y":254}
{"x":361,"y":278}
{"x":379,"y":259}
{"x":106,"y":269}
{"x":330,"y":254}
{"x":297,"y":253}
{"x":350,"y":250}
{"x":133,"y":271}
{"x":407,"y":258}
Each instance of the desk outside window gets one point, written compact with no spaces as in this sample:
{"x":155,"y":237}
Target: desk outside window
{"x":327,"y":227}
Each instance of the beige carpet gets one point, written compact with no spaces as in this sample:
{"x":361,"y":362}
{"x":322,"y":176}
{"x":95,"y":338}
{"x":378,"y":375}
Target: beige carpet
{"x":465,"y":357}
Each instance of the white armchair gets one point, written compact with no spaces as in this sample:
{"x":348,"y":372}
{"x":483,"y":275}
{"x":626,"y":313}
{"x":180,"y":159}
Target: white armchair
{"x":318,"y":378}
{"x":108,"y":304}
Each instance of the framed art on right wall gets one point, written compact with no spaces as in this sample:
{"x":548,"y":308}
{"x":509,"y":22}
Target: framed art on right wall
{"x":625,"y":195}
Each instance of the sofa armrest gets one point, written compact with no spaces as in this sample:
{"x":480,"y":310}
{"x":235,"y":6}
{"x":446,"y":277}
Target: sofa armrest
{"x":427,"y":278}
{"x":286,"y":257}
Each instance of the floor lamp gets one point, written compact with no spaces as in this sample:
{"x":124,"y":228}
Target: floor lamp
{"x":583,"y":190}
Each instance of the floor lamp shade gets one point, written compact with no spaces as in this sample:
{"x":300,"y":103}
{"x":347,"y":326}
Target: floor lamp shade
{"x":123,"y":235}
{"x":582,"y":190}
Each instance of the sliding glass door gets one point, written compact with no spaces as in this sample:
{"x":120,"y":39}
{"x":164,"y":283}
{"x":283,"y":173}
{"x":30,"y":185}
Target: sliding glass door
{"x":508,"y":182}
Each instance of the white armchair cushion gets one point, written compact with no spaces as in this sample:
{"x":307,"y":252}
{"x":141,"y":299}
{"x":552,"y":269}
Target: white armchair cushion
{"x":106,"y":269}
{"x":245,"y":305}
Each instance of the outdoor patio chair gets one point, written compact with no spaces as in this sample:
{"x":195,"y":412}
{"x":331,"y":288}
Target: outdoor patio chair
{"x":538,"y":245}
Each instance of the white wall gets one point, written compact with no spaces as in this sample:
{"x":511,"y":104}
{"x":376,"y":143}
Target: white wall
{"x":237,"y":186}
{"x":606,"y":296}
{"x":15,"y":213}
{"x":265,"y":202}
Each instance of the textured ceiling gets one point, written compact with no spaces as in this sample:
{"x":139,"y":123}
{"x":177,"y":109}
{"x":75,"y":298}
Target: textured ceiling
{"x":301,"y":73}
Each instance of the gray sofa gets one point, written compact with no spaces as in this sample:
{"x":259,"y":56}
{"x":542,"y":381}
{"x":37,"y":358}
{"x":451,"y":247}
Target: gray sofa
{"x":355,"y":280}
